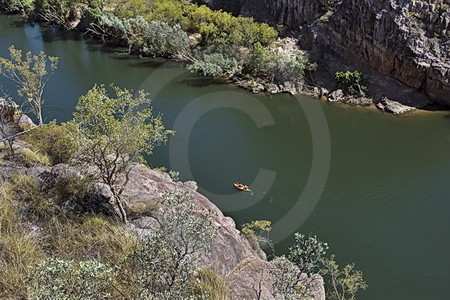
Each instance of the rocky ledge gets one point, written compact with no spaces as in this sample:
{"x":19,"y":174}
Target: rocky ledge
{"x":244,"y":268}
{"x":394,"y":107}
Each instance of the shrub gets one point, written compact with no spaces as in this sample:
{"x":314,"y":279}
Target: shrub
{"x":216,"y":27}
{"x":22,"y":6}
{"x":307,"y":252}
{"x":164,"y":264}
{"x":353,"y":82}
{"x":116,"y":132}
{"x":66,"y":279}
{"x":53,"y":140}
{"x":216,"y":65}
{"x":74,"y":187}
{"x":277,"y":66}
{"x":161,"y":39}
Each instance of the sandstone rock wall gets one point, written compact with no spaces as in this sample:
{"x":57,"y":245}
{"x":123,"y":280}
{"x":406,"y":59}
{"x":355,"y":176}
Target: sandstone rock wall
{"x":407,"y":40}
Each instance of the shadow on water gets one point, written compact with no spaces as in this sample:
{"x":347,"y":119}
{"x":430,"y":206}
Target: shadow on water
{"x":51,"y":34}
{"x":436,"y":107}
{"x":201,"y":81}
{"x":147,"y":62}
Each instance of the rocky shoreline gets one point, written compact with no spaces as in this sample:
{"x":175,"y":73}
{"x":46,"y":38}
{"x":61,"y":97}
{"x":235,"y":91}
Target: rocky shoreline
{"x":259,"y":85}
{"x":402,"y":47}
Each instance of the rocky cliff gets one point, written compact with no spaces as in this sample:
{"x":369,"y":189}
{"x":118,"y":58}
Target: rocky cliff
{"x":405,"y":40}
{"x":244,"y":268}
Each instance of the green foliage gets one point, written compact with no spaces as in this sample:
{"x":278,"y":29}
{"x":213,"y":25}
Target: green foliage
{"x":344,"y":283}
{"x":66,"y":279}
{"x":285,"y":277}
{"x":257,"y":58}
{"x":216,"y":65}
{"x":153,"y":39}
{"x":174,"y":175}
{"x":116,"y":132}
{"x":216,"y":27}
{"x":276,"y":66}
{"x":353,"y":82}
{"x":30,"y":72}
{"x":53,"y":140}
{"x":165,"y":263}
{"x":307,"y":252}
{"x":258,"y":233}
{"x":22,"y":6}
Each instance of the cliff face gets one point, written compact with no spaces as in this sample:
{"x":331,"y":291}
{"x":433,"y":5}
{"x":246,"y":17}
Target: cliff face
{"x":244,"y":268}
{"x":406,"y":40}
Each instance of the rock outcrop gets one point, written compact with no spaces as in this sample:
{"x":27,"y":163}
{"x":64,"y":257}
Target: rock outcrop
{"x":244,"y":268}
{"x":405,"y":40}
{"x":393,"y":107}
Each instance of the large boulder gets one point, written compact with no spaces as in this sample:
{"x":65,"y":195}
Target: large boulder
{"x":336,"y":96}
{"x":393,"y":107}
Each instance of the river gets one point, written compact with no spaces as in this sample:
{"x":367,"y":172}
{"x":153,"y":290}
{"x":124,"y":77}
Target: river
{"x":374,"y":186}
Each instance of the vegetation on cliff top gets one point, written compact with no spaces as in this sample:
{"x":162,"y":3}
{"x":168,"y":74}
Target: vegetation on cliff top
{"x":213,"y":43}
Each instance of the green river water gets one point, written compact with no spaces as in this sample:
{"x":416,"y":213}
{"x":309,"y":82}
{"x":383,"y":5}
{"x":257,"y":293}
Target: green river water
{"x":374,"y":186}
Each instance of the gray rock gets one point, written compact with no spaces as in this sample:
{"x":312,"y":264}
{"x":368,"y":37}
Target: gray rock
{"x":194,"y":39}
{"x":25,"y":122}
{"x":192,"y":185}
{"x":394,"y":107}
{"x":336,"y":96}
{"x":63,"y":171}
{"x":323,"y":92}
{"x":361,"y":101}
{"x":257,"y":88}
{"x":103,"y":190}
{"x":290,"y":87}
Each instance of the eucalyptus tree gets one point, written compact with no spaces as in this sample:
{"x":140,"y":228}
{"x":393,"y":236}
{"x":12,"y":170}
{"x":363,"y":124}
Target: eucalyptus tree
{"x":343,"y":283}
{"x":31,"y":73}
{"x":115,"y":132}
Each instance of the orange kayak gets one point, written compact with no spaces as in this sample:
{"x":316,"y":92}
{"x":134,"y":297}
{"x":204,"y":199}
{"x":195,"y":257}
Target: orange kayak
{"x":242,"y":187}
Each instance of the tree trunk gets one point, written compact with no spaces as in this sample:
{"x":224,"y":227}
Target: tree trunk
{"x":123,"y":214}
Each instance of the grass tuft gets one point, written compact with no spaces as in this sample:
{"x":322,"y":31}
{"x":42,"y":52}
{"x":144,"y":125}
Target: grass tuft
{"x":30,"y":158}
